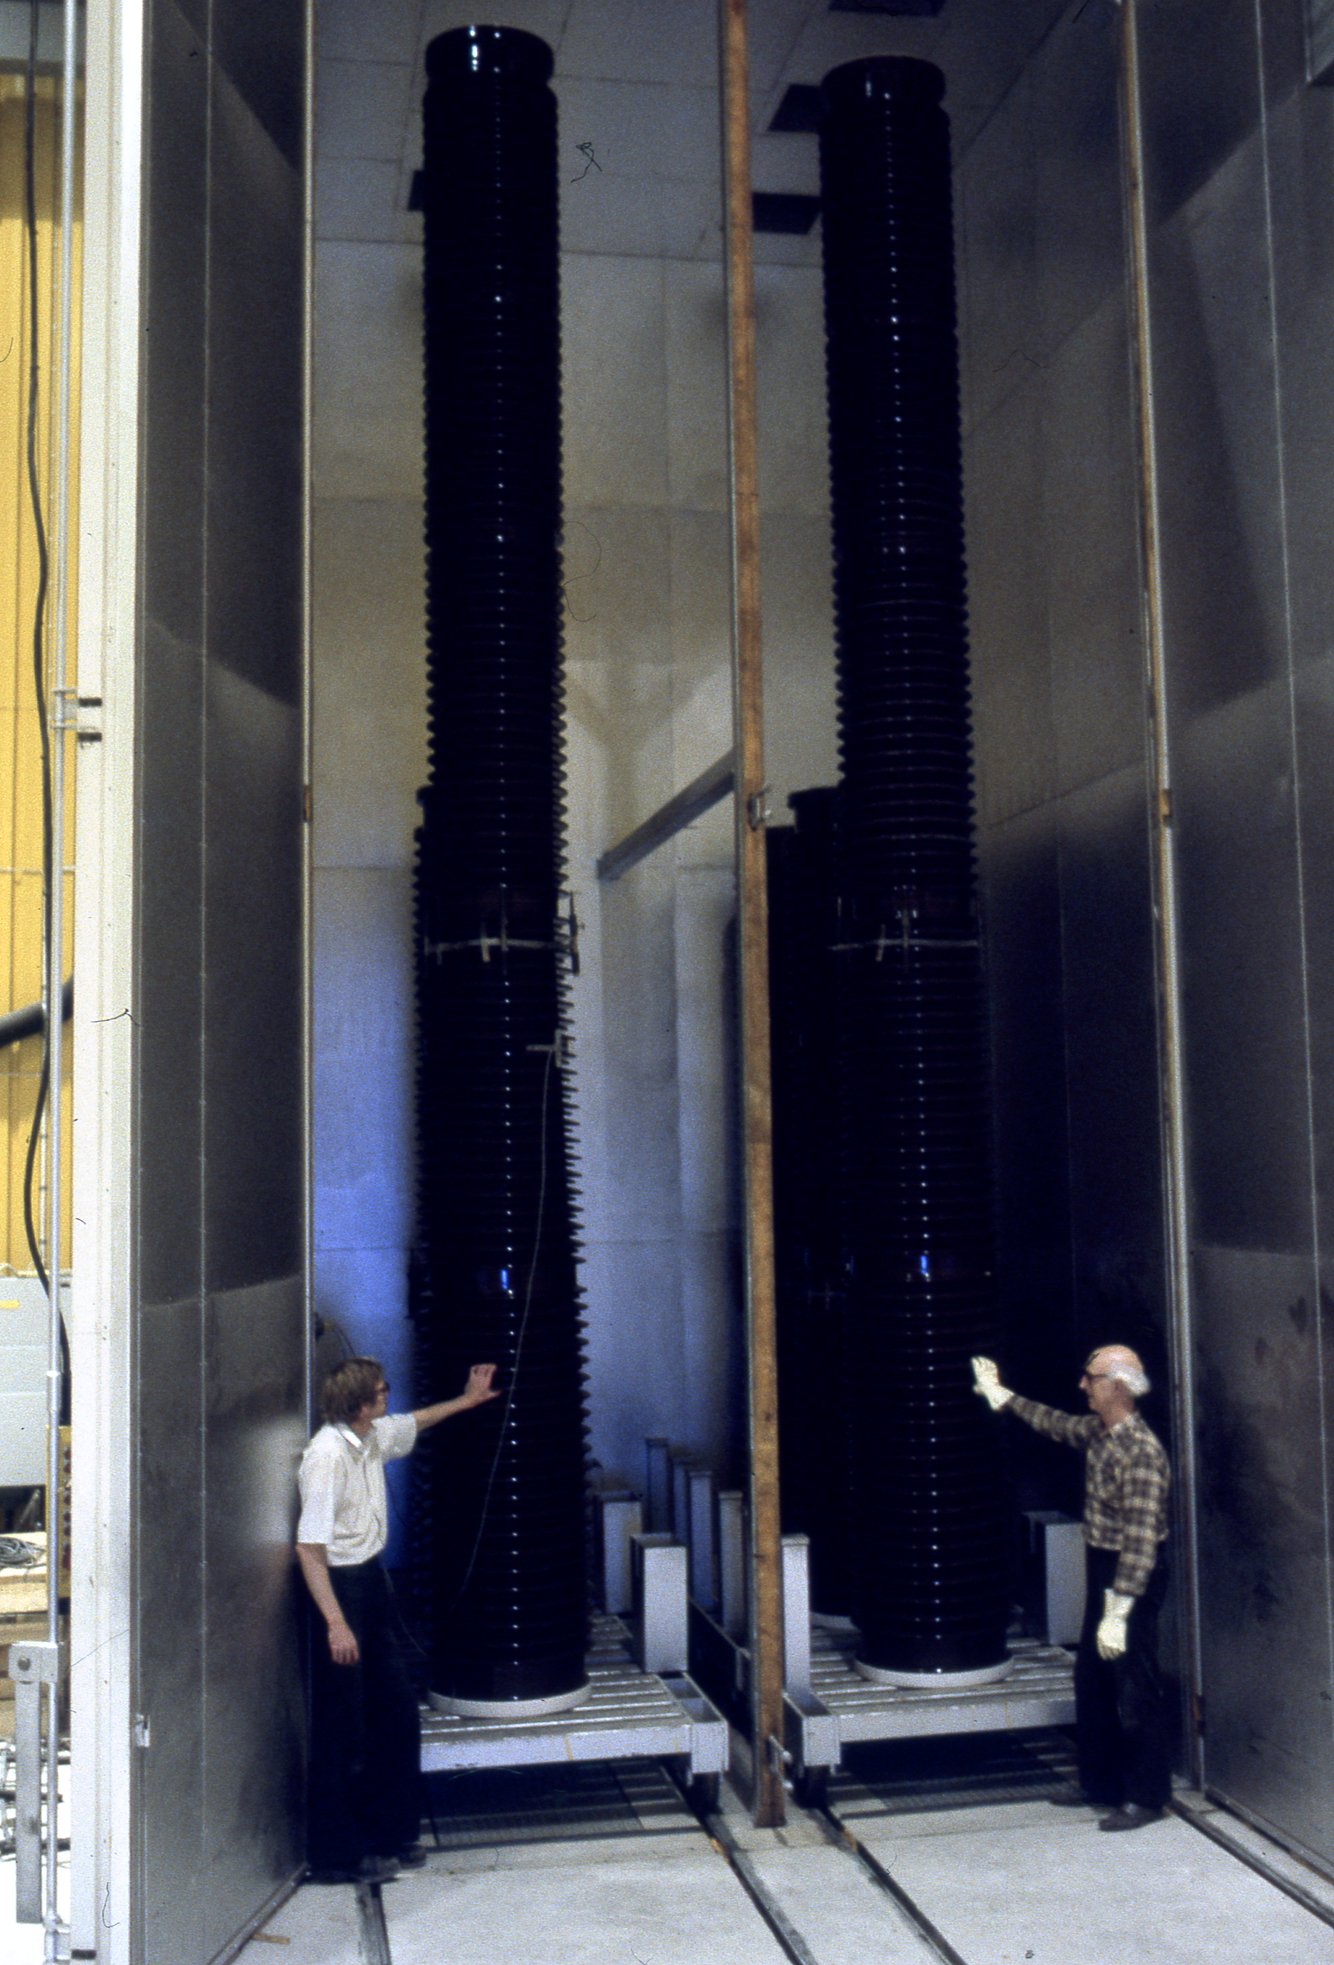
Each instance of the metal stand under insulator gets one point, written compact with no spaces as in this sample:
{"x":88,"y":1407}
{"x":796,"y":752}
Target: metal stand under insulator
{"x":502,"y":1487}
{"x":933,"y":1537}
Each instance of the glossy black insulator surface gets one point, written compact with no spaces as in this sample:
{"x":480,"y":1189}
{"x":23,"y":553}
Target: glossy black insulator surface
{"x":810,"y":1269}
{"x":932,"y":1581}
{"x":503,"y":1486}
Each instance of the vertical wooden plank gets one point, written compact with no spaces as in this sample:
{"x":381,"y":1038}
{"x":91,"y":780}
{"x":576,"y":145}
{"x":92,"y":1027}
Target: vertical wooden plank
{"x":766,"y":1608}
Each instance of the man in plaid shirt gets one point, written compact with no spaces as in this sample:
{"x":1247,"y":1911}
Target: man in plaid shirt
{"x":1119,"y":1703}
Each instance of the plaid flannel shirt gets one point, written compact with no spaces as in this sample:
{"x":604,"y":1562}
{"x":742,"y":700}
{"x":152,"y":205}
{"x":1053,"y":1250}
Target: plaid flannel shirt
{"x":1126,"y":1477}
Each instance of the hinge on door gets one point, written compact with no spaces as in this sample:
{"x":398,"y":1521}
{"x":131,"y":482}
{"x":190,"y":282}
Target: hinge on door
{"x":142,"y":1731}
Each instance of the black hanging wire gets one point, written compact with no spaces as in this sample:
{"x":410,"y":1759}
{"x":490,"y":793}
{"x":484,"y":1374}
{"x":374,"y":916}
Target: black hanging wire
{"x":448,"y":1610}
{"x":39,"y":676}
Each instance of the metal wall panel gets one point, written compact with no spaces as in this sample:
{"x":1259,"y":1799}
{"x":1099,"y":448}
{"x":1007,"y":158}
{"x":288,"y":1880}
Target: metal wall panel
{"x":1111,"y":1037}
{"x":1215,"y":412}
{"x":171,"y":780}
{"x":221,"y":1405}
{"x":254,"y":446}
{"x":253,"y":1699}
{"x":1089,"y":548}
{"x":1314,"y":714}
{"x":1239,"y":287}
{"x":1301,"y":144}
{"x":1054,"y":574}
{"x":1201,"y":91}
{"x":170,"y":1503}
{"x":1007,"y":579}
{"x":1263,"y":1553}
{"x":253,"y":1116}
{"x":1242,"y":977}
{"x":1077,"y":172}
{"x":1020,"y":875}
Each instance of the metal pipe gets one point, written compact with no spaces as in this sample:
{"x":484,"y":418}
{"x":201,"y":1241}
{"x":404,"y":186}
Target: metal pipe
{"x":766,"y":1611}
{"x":30,"y":1021}
{"x":307,"y":710}
{"x":1180,"y":1318}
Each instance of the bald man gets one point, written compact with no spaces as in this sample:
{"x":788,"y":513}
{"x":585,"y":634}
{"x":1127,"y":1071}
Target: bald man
{"x":1120,"y":1709}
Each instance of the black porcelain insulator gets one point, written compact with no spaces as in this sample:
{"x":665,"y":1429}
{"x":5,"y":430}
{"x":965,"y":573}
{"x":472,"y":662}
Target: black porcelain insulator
{"x":506,"y":1604}
{"x":916,"y":1148}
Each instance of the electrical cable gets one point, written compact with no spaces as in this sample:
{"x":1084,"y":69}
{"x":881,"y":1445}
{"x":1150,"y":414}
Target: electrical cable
{"x":553,"y":1051}
{"x":39,"y":678}
{"x":39,"y":610}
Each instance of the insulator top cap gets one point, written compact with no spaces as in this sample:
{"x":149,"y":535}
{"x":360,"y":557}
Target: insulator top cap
{"x":882,"y":78}
{"x":508,"y":52}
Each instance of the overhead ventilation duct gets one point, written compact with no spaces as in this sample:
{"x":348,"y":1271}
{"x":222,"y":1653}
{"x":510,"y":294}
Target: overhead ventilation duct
{"x":932,"y":1568}
{"x":502,"y":1489}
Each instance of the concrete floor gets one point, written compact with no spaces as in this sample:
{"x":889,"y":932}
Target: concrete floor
{"x":607,"y":1867}
{"x":1014,"y":1882}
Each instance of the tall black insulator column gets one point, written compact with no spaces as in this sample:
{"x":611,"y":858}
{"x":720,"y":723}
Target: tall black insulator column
{"x":933,"y":1564}
{"x":806,"y":1031}
{"x":506,"y":1606}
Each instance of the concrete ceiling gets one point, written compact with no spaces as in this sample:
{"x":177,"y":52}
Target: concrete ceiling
{"x":637,"y":81}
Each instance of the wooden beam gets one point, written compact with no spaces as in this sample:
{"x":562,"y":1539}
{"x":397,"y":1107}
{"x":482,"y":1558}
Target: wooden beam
{"x":688,"y":805}
{"x":766,"y":1547}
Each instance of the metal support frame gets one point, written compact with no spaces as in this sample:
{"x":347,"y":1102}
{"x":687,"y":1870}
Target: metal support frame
{"x":680,"y":811}
{"x":630,"y":1714}
{"x":659,"y":1622}
{"x":766,"y":1633}
{"x":1166,"y":939}
{"x":827,"y":1704}
{"x":32,"y":1667}
{"x":658,"y":1484}
{"x":620,"y":1519}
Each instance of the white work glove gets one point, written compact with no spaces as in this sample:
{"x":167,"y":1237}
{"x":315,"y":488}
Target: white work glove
{"x":987,"y":1385}
{"x":1112,"y":1630}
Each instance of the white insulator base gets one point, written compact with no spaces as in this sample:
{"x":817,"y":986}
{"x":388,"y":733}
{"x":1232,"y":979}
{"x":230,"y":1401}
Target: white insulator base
{"x":559,"y":1702}
{"x":935,"y":1681}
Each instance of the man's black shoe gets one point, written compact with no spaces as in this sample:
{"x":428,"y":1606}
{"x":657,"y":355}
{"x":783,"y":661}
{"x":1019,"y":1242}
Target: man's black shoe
{"x":413,"y":1857}
{"x":1132,"y":1815}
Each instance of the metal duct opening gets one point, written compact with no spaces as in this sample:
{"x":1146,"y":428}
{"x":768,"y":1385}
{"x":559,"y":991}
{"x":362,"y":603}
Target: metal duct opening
{"x":502,"y":1493}
{"x":933,"y":1569}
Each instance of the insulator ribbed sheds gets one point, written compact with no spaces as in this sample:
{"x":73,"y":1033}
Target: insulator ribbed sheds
{"x":932,"y":1568}
{"x":506,"y":1594}
{"x":810,"y":1262}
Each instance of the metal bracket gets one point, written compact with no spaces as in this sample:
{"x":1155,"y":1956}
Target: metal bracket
{"x":757,"y":808}
{"x":81,"y":714}
{"x":31,"y":1666}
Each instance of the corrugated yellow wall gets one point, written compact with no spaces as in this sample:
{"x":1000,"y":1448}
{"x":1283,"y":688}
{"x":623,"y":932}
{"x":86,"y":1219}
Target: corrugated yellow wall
{"x":20,"y":740}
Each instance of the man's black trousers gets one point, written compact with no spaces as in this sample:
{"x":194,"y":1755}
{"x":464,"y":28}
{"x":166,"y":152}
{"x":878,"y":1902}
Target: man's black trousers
{"x":1120,"y":1707}
{"x":365,"y":1744}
